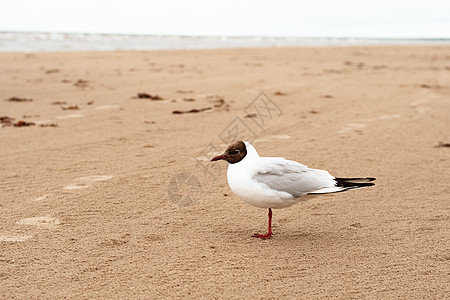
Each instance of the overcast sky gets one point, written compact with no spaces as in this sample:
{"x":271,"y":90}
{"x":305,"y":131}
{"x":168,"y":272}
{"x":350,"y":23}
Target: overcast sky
{"x":312,"y":18}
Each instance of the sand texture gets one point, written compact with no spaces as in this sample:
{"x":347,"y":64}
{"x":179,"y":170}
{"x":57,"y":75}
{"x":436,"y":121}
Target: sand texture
{"x":109,"y":192}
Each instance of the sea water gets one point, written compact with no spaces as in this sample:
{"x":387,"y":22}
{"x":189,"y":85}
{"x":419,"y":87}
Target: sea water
{"x":47,"y":42}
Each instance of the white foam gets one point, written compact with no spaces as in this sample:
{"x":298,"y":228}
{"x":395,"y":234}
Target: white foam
{"x":383,"y":118}
{"x":45,"y":221}
{"x":14,"y":237}
{"x":41,"y":197}
{"x":76,"y":186}
{"x":71,"y":116}
{"x":350,"y":127}
{"x":83,"y":182}
{"x":95,"y":178}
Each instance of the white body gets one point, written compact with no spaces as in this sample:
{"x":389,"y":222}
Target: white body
{"x":274,"y":182}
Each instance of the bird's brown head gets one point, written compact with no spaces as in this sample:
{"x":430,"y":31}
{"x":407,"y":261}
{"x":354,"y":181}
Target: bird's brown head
{"x":234,"y":153}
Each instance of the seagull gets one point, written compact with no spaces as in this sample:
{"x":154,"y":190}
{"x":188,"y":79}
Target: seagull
{"x":275,"y":182}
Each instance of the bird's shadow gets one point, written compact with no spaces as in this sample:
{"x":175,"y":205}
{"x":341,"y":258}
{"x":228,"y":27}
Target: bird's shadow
{"x":301,"y":236}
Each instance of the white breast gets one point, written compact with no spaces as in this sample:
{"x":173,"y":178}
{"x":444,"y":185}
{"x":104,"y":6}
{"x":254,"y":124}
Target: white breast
{"x":254,"y":193}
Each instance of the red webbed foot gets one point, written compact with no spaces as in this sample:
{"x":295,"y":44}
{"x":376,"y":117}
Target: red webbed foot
{"x":263,"y":236}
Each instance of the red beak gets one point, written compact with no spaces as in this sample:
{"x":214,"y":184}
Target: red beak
{"x":219,"y":157}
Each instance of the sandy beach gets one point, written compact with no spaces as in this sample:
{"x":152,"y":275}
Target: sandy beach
{"x":107,"y":190}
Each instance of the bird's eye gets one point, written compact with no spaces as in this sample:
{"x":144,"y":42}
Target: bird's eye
{"x":236,"y":151}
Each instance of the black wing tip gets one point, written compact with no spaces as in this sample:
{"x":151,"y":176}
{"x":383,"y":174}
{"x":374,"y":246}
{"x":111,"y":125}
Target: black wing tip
{"x":353,"y":182}
{"x":355,"y":178}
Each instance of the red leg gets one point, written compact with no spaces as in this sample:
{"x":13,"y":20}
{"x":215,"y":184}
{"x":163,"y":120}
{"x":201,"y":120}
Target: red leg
{"x":269,"y":233}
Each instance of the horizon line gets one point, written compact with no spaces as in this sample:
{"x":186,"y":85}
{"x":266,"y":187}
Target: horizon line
{"x":228,"y":36}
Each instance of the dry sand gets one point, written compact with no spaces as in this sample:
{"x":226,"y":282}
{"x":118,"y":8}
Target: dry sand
{"x":96,"y":206}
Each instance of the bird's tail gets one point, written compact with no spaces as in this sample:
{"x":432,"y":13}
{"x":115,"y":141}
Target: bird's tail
{"x":345,"y":184}
{"x":354,"y":183}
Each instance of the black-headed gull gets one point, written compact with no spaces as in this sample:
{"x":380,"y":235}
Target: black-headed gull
{"x":275,"y":182}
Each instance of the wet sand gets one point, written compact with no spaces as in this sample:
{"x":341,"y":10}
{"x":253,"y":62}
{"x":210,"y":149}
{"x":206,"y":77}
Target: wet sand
{"x":109,"y":192}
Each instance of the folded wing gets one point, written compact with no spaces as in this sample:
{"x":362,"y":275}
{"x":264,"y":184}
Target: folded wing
{"x":292,"y":177}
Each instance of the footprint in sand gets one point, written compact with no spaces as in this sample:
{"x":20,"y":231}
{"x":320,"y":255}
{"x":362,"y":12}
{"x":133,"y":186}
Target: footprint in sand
{"x":44,"y":222}
{"x":85,"y":182}
{"x":14,"y":237}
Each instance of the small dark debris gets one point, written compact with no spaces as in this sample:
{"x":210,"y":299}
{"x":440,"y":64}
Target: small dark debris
{"x":114,"y":242}
{"x":51,"y":71}
{"x":59,"y":103}
{"x":427,"y":86}
{"x":148,"y":96}
{"x":334,"y":71}
{"x":189,"y":99}
{"x":327,"y":96}
{"x":49,"y":125}
{"x":80,"y":83}
{"x":220,"y":103}
{"x":195,"y":110}
{"x":17,"y":99}
{"x":314,"y":112}
{"x":252,"y":115}
{"x":177,"y":65}
{"x":72,"y":107}
{"x":23,"y":124}
{"x":90,"y":103}
{"x":6,"y":121}
{"x":356,"y":225}
{"x":226,"y":195}
{"x":442,"y":145}
{"x":149,"y":122}
{"x":278,"y":93}
{"x":31,"y":55}
{"x":148,"y":146}
{"x":347,"y":63}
